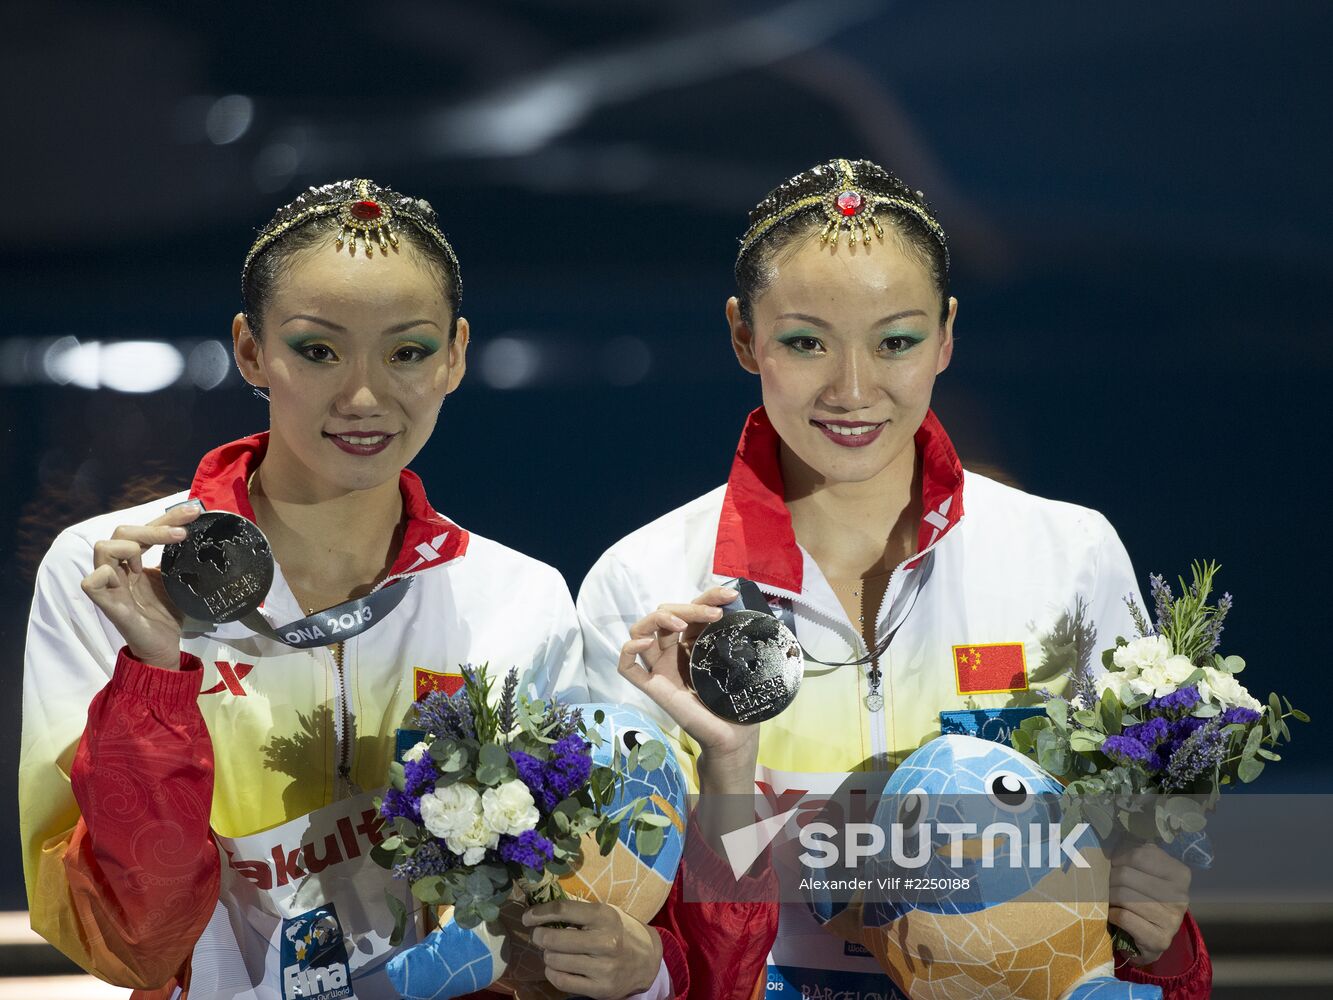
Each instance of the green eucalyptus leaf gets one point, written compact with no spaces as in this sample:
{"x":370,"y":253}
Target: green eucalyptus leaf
{"x":1083,"y":741}
{"x":654,"y":819}
{"x":1233,"y":664}
{"x":494,"y":755}
{"x":1299,"y":716}
{"x":399,"y":910}
{"x":430,"y":890}
{"x":1249,"y":770}
{"x":1088,"y":718}
{"x":649,"y":841}
{"x":1111,"y":711}
{"x":1252,"y":741}
{"x":652,"y":755}
{"x":1058,"y":711}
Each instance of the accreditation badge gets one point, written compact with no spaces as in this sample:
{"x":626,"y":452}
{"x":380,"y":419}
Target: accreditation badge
{"x":314,"y":957}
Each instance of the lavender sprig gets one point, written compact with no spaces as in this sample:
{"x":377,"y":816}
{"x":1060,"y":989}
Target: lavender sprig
{"x":1162,"y":601}
{"x":1201,"y":752}
{"x":1141,"y":623}
{"x":1213,"y":629}
{"x":445,"y":717}
{"x":505,"y":713}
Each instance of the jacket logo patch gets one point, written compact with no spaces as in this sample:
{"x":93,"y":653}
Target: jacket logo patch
{"x":425,"y":681}
{"x":990,"y":668}
{"x":231,"y":678}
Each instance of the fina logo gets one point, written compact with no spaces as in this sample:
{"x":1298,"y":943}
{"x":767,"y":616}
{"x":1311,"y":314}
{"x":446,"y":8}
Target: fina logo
{"x":298,"y":982}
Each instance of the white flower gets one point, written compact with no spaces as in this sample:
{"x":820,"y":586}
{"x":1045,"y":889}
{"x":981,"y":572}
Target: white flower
{"x":1152,"y":681}
{"x":417,"y":752}
{"x":1223,"y":689}
{"x":1142,"y":654}
{"x":1076,"y":703}
{"x":1114,"y":682}
{"x":453,"y":813}
{"x":1177,"y":668}
{"x":509,"y":808}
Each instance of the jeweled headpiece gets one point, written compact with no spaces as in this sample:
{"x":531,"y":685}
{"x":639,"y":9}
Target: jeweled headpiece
{"x":848,"y":193}
{"x":369,"y":213}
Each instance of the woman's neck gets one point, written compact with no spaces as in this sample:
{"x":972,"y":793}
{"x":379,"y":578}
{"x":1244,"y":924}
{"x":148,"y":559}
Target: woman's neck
{"x":331,"y":545}
{"x":853,"y":530}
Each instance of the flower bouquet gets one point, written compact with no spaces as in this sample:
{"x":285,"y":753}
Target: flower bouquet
{"x":497,"y":797}
{"x":1145,"y":748}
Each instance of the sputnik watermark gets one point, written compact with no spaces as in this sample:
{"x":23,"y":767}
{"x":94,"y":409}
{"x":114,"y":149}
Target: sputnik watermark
{"x":863,"y":841}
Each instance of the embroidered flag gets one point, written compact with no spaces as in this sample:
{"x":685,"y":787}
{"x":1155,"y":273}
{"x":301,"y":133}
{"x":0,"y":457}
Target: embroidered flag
{"x":425,"y":681}
{"x":990,"y":668}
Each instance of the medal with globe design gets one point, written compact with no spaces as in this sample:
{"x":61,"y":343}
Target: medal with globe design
{"x":222,"y":571}
{"x":746,"y":666}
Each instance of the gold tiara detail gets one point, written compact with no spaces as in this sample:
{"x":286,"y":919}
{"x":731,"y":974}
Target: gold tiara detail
{"x":365,"y":217}
{"x":847,"y":207}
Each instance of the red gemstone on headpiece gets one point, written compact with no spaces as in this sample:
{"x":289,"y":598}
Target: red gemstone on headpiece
{"x":849,"y":203}
{"x":365,"y":210}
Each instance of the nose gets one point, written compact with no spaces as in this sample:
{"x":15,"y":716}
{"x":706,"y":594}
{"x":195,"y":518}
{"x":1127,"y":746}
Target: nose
{"x":360,"y":394}
{"x":849,"y":387}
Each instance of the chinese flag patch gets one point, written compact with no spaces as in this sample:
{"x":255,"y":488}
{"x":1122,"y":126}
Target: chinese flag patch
{"x":427,"y":681}
{"x":990,"y":668}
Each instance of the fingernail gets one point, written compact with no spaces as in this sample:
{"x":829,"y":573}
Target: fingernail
{"x":715,"y":612}
{"x":728,"y":591}
{"x":177,"y":532}
{"x":678,"y":622}
{"x":196,"y":504}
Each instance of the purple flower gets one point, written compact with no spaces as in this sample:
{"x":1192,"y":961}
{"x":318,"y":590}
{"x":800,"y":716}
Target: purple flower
{"x":1149,"y":733}
{"x":532,"y":772}
{"x":419,"y":776}
{"x":528,"y":848}
{"x":570,"y":765}
{"x":1242,"y":715}
{"x":1125,"y":749}
{"x":398,"y":803}
{"x":1182,"y":700}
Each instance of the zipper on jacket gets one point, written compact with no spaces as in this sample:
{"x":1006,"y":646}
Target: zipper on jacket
{"x":342,"y":724}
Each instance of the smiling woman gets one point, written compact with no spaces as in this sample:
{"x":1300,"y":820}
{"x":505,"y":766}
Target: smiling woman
{"x":194,"y":793}
{"x":917,"y":590}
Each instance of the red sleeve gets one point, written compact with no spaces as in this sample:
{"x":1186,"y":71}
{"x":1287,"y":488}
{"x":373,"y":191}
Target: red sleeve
{"x":1187,"y":958}
{"x":141,"y":865}
{"x":717,"y":931}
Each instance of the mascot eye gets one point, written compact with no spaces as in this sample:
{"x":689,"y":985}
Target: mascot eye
{"x":1008,"y":791}
{"x":631,"y":738}
{"x":911,"y":808}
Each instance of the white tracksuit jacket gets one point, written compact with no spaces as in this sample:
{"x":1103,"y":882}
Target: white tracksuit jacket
{"x":1006,"y":593}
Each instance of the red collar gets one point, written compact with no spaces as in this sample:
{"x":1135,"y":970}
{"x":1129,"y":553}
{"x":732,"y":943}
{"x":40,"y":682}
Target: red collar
{"x":430,"y":538}
{"x":754,"y":533}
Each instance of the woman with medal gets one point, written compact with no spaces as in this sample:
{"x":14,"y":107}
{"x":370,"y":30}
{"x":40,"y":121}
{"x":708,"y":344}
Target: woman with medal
{"x":198,"y":771}
{"x":915,"y":589}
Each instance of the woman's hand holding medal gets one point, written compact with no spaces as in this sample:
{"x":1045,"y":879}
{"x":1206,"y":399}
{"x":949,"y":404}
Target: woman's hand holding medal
{"x":656,"y":661}
{"x":131,"y":595}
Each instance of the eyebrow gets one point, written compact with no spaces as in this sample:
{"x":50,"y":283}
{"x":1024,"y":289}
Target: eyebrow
{"x":399,"y":328}
{"x":816,"y":321}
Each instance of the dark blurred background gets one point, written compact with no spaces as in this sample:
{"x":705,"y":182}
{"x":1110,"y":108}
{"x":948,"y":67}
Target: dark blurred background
{"x":1137,"y":195}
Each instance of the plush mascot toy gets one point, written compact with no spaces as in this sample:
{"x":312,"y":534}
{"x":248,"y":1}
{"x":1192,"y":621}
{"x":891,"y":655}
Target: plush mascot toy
{"x":454,"y":960}
{"x":956,"y":926}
